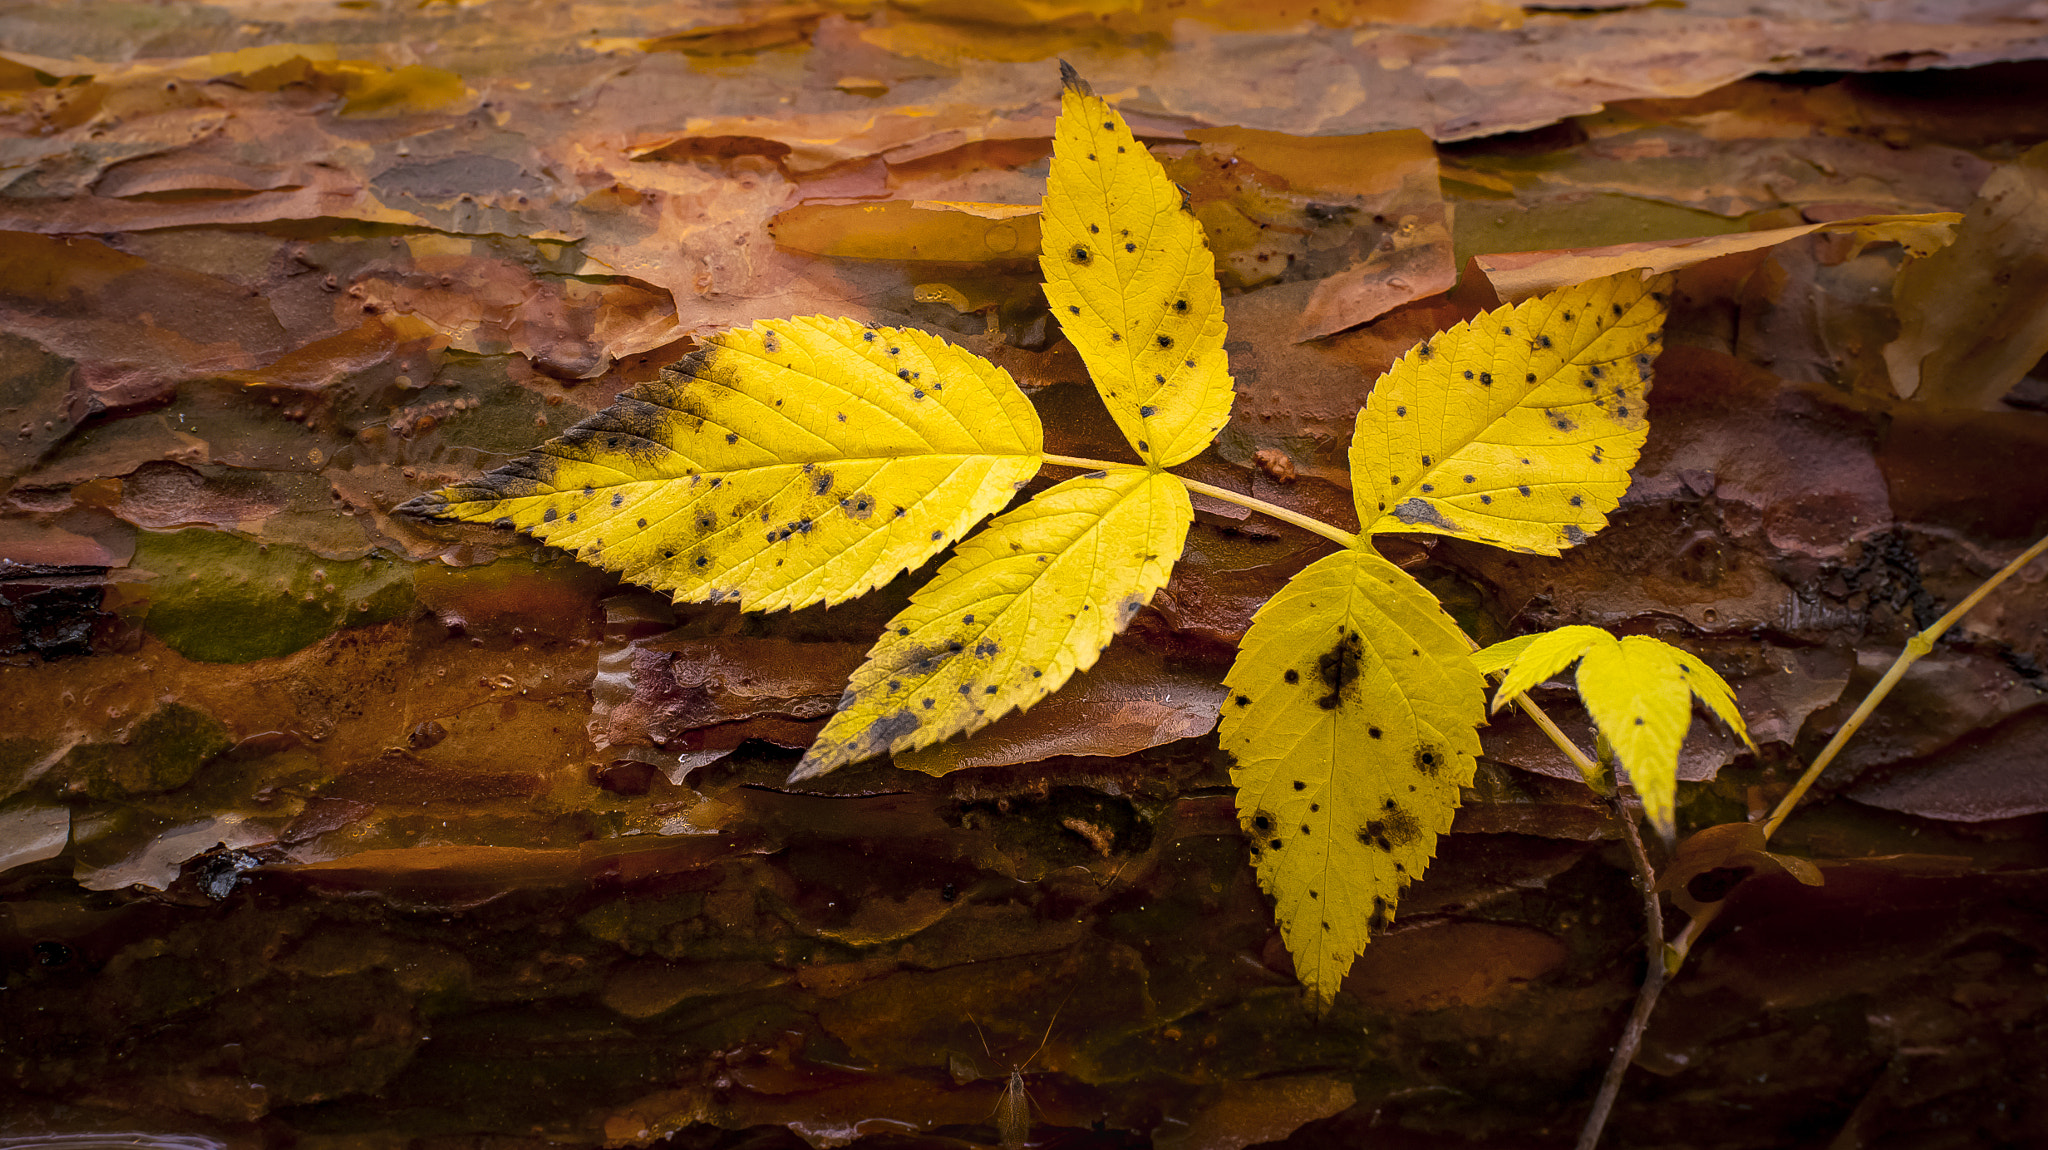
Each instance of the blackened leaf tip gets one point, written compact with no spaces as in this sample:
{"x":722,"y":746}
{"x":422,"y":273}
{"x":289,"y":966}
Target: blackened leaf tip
{"x":432,"y":505}
{"x":1072,"y":79}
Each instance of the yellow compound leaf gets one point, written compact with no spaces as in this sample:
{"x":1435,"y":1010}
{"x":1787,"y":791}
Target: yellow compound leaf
{"x":794,"y":462}
{"x":1133,"y":283}
{"x":1638,"y":691}
{"x":1517,"y":428}
{"x":1352,"y":716}
{"x":1012,"y":615}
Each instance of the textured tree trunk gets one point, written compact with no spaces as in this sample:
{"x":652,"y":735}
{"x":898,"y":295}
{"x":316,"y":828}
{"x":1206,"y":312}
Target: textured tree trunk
{"x":325,"y":826}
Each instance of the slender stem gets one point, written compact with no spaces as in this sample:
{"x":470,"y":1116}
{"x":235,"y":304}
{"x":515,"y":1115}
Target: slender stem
{"x":1916,"y":647}
{"x":1587,"y":768}
{"x":1668,"y":958}
{"x":1341,"y":538}
{"x":1085,"y":463}
{"x":1654,"y":976}
{"x":1273,"y":510}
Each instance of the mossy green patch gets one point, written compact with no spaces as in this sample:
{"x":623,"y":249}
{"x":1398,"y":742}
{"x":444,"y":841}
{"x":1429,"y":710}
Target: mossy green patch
{"x":160,"y":754}
{"x":219,"y":598}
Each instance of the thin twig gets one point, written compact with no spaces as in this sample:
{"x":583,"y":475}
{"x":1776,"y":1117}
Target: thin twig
{"x":1285,"y":515}
{"x":1654,"y":976}
{"x":1666,"y":959}
{"x":1917,"y":646}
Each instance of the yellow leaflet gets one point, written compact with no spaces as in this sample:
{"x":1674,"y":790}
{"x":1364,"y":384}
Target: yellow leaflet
{"x":794,"y":462}
{"x":1352,"y":717}
{"x":1133,"y":283}
{"x":1534,"y":658}
{"x":1638,"y":691}
{"x":1013,"y":614}
{"x":1517,"y":428}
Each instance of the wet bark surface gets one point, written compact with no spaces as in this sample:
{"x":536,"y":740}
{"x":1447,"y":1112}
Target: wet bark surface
{"x":322,"y":826}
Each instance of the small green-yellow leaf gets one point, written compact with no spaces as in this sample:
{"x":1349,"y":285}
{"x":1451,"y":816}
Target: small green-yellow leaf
{"x":794,"y":462}
{"x":1715,"y":692}
{"x":1638,"y":691}
{"x":1539,"y":658}
{"x":1501,"y":655}
{"x":1133,"y":282}
{"x":1352,"y":717}
{"x":1017,"y":610}
{"x":1517,"y":428}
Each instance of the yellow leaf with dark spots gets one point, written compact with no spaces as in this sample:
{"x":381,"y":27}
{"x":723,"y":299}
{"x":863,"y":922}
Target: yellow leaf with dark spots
{"x":1133,"y":282}
{"x":1016,"y":611}
{"x":1352,"y":718}
{"x":1517,"y":428}
{"x":798,"y":461}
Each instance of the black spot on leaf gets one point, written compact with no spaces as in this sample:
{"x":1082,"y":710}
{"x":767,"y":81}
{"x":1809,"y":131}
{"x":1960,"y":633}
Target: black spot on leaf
{"x":1338,"y":669}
